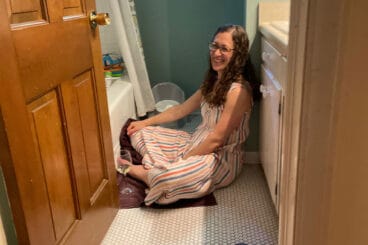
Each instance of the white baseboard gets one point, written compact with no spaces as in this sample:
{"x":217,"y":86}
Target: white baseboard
{"x":252,"y":157}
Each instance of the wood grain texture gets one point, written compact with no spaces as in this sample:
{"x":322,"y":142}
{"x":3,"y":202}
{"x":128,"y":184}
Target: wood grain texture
{"x":60,"y":191}
{"x":26,"y":10}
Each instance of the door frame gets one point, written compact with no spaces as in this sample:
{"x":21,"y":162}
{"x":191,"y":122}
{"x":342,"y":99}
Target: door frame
{"x":311,"y":93}
{"x":291,"y":128}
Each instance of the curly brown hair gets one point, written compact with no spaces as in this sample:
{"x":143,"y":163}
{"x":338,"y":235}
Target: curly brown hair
{"x":214,"y":93}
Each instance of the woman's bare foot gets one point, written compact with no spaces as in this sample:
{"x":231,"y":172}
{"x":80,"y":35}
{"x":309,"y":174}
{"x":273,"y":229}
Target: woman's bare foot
{"x":136,"y":171}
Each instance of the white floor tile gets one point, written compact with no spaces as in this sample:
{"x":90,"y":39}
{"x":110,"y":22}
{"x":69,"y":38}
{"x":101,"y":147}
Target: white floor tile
{"x":244,"y":214}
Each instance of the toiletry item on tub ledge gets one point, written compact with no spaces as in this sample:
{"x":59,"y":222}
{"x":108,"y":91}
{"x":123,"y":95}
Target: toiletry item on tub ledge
{"x":113,"y":68}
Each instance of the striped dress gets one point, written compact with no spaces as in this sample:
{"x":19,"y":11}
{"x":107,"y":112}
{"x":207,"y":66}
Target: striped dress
{"x":170,"y":177}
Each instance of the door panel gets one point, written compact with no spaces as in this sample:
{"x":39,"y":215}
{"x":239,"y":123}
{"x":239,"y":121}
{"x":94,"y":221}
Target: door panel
{"x":72,"y":7}
{"x":60,"y":174}
{"x":89,"y":120}
{"x":48,"y":137}
{"x":26,"y":10}
{"x":80,"y":115}
{"x":41,"y":69}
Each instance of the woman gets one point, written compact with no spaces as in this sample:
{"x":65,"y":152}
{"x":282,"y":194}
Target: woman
{"x":177,"y":165}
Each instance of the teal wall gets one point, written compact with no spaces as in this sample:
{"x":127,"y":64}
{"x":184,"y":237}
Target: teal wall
{"x":175,"y":36}
{"x":154,"y":30}
{"x":192,"y":24}
{"x":5,"y":213}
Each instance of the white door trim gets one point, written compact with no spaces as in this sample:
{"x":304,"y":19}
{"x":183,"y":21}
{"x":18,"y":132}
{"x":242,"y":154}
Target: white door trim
{"x":313,"y":64}
{"x":291,"y":120}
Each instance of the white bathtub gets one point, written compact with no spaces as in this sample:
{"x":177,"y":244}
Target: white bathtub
{"x":121,"y":107}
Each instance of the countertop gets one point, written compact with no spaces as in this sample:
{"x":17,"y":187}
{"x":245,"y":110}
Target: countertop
{"x":277,"y":33}
{"x":273,"y":23}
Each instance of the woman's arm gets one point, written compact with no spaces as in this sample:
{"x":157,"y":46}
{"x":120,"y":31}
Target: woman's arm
{"x":173,"y":113}
{"x":238,"y":101}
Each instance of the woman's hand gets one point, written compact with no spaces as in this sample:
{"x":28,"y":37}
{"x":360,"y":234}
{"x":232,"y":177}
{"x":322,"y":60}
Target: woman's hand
{"x":135,"y":126}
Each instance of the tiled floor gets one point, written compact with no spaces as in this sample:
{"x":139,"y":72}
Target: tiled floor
{"x":244,"y":215}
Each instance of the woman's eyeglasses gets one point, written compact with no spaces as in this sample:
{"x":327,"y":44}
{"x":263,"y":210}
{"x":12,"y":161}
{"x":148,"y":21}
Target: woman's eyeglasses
{"x":213,"y":47}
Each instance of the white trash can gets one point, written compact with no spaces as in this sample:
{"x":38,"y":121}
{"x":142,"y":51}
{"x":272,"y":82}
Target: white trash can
{"x":166,"y":95}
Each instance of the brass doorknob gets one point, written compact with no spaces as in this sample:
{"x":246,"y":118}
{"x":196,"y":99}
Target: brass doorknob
{"x":99,"y":19}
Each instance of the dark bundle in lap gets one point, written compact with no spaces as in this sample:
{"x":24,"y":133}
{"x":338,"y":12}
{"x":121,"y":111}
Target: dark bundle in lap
{"x":135,"y":199}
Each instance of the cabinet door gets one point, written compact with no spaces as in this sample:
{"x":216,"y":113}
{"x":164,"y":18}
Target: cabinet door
{"x":59,"y":167}
{"x":270,"y":131}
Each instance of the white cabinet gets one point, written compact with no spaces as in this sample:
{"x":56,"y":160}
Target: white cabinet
{"x":274,"y":61}
{"x":273,"y":76}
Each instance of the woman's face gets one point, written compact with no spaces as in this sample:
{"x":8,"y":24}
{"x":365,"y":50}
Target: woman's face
{"x":221,"y":51}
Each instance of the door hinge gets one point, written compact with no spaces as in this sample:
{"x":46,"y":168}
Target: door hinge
{"x":276,"y":189}
{"x":279,"y":108}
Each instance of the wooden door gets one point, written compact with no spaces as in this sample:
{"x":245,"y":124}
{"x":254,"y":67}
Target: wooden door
{"x":56,"y":149}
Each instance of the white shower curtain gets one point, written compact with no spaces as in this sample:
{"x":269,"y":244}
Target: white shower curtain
{"x":128,"y":41}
